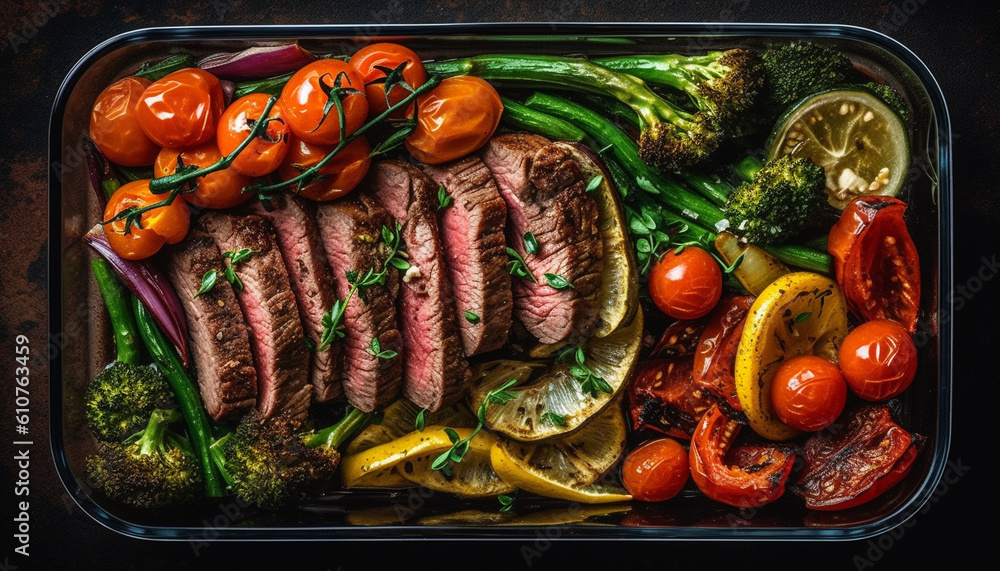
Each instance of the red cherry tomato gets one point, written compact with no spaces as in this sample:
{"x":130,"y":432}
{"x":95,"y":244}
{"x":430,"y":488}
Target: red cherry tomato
{"x":373,"y":61}
{"x":879,"y":359}
{"x":264,"y":154}
{"x":454,"y":119}
{"x":808,"y":393}
{"x":219,"y":189}
{"x":656,"y":471}
{"x":341,"y":175}
{"x":182,"y":108}
{"x":161,"y":225}
{"x":114,"y":127}
{"x":686,"y":285}
{"x":312,"y":114}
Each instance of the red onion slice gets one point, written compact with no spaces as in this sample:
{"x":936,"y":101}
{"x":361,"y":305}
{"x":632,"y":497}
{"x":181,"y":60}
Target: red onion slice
{"x":257,"y":63}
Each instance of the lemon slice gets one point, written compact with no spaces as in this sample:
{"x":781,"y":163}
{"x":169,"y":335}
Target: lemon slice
{"x":374,"y":467}
{"x":860,"y":142}
{"x":800,"y":313}
{"x":548,"y":400}
{"x":473,"y":477}
{"x":399,"y":419}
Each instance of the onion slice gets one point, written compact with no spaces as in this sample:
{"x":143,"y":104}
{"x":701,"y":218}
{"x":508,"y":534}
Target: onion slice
{"x":257,"y":62}
{"x":150,"y":285}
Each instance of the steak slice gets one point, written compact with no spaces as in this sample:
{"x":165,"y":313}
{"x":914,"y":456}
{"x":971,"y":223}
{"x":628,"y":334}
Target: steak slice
{"x":546,"y":195}
{"x":302,"y":251}
{"x":435,"y":372}
{"x":277,"y":340}
{"x":220,"y":344}
{"x":351,"y":229}
{"x":472,"y":237}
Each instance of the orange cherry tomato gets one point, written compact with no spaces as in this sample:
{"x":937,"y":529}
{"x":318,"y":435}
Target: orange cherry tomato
{"x":161,"y":225}
{"x":264,"y":154}
{"x":375,"y":62}
{"x":341,"y":175}
{"x":219,"y":189}
{"x":454,"y":119}
{"x":656,"y":471}
{"x":686,"y":285}
{"x":182,"y":108}
{"x":114,"y":127}
{"x":879,"y":359}
{"x":808,"y":393}
{"x":306,"y":95}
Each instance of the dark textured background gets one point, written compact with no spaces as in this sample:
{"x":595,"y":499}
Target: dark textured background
{"x":40,"y":41}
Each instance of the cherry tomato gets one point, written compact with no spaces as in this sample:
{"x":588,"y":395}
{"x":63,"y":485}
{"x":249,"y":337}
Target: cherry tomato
{"x":875,"y":260}
{"x":114,"y":127}
{"x":859,"y":462}
{"x":264,"y":154}
{"x":808,"y":393}
{"x":161,"y":225}
{"x":182,"y":108}
{"x":219,"y":189}
{"x":686,"y":285}
{"x":373,"y":61}
{"x":454,"y":119}
{"x":656,"y":471}
{"x":309,"y":108}
{"x":879,"y":359}
{"x":341,"y":175}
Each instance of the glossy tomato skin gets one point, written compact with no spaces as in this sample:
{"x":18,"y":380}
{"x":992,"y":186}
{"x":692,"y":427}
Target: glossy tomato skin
{"x":715,"y":352}
{"x":808,"y":393}
{"x":220,"y":189}
{"x":162,"y":225}
{"x":656,"y":471}
{"x":875,"y":260}
{"x":386,"y":55}
{"x":266,"y":152}
{"x":182,"y":108}
{"x":305,"y":96}
{"x":878,"y":359}
{"x":454,"y":119}
{"x":686,"y":285}
{"x":114,"y":127}
{"x":341,"y":175}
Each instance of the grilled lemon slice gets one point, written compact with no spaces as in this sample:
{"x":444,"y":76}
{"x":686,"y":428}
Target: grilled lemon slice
{"x":473,"y":477}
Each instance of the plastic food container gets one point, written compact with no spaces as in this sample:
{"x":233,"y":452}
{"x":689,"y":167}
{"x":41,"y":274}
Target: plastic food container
{"x":78,"y":316}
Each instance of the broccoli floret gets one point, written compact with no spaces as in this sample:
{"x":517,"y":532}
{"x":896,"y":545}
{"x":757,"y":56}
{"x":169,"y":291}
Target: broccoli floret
{"x":271,"y":462}
{"x":783,"y":199}
{"x":120,"y":399}
{"x":153,"y":468}
{"x":799,"y":69}
{"x":889,"y":96}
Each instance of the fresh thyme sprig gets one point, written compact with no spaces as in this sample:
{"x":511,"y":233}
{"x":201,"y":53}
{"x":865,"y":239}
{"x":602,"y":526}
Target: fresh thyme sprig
{"x":460,"y":446}
{"x":518,"y":267}
{"x":590,"y":382}
{"x":231,"y":259}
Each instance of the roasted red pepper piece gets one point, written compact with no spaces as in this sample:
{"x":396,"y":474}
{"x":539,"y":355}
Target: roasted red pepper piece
{"x":848,"y":467}
{"x":745,"y":476}
{"x":662,"y":397}
{"x":715,"y":354}
{"x":875,"y":261}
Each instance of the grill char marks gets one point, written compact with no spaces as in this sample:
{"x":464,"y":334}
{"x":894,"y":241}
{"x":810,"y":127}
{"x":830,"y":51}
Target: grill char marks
{"x":220,"y":345}
{"x":351,"y":229}
{"x":271,"y":313}
{"x":435,"y":372}
{"x":546,"y":195}
{"x":312,"y":283}
{"x":472,"y":238}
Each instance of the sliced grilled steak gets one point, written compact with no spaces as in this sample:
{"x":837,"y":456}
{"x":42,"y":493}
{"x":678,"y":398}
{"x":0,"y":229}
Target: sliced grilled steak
{"x":351,"y":229}
{"x":546,"y":195}
{"x":277,"y":340}
{"x":312,"y":283}
{"x":472,"y":237}
{"x":435,"y":372}
{"x":219,"y":341}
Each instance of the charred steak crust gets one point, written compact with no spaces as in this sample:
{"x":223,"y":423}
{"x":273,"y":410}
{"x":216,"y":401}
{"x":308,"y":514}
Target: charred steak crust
{"x":435,"y":371}
{"x":546,"y":195}
{"x":305,"y":259}
{"x":473,"y":241}
{"x":351,"y":229}
{"x":220,"y":344}
{"x":281,"y":356}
